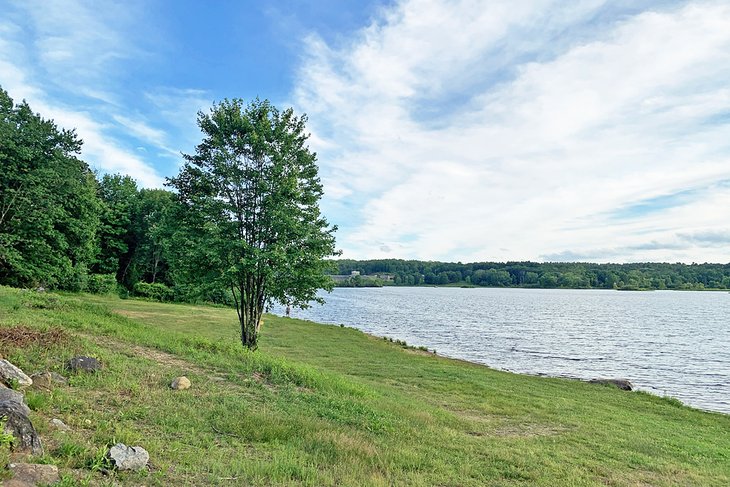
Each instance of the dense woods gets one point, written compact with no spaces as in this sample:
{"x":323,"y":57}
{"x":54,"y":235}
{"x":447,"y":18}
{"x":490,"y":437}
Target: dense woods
{"x":637,"y":276}
{"x":63,"y":227}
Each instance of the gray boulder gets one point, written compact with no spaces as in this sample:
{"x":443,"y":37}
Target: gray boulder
{"x":623,"y":384}
{"x":34,"y":474}
{"x":83,"y":364}
{"x":14,"y":396}
{"x":18,"y":424}
{"x":10,"y":373}
{"x":125,"y":457}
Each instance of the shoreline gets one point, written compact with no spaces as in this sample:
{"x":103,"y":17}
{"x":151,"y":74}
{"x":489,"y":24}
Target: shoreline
{"x":434,"y":353}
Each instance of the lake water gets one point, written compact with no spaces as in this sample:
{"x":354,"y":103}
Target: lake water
{"x":667,"y":343}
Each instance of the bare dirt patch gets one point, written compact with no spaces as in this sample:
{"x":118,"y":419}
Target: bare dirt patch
{"x":162,"y":358}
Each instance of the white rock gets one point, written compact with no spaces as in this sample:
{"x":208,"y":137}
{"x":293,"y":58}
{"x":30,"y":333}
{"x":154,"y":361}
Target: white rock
{"x":128,"y":457}
{"x":9,"y":372}
{"x":60,"y":425}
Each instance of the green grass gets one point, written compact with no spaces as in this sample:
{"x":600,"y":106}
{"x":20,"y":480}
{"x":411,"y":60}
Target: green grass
{"x":325,"y":405}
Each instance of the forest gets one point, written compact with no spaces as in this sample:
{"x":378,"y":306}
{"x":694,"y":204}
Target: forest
{"x":64,"y":227}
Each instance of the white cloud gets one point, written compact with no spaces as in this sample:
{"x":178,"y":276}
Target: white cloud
{"x":64,"y":47}
{"x":507,"y":130}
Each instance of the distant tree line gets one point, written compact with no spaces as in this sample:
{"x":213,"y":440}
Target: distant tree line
{"x":638,"y":276}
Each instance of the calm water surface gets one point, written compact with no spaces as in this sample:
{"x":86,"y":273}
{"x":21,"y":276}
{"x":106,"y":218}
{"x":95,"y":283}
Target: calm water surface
{"x":665,"y":342}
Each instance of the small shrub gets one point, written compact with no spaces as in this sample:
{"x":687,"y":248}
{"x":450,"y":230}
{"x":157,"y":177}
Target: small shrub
{"x":69,"y":450}
{"x":99,"y":461}
{"x":69,"y":481}
{"x":101,"y":283}
{"x":35,"y":300}
{"x":154,"y":291}
{"x":6,"y":439}
{"x":36,"y":401}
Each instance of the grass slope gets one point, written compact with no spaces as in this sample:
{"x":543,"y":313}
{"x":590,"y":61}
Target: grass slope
{"x":324,"y":405}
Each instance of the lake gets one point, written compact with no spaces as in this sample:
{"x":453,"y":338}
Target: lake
{"x":668,"y":343}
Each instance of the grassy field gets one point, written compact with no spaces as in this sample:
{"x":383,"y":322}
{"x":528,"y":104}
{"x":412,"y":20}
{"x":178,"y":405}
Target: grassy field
{"x":325,"y":405}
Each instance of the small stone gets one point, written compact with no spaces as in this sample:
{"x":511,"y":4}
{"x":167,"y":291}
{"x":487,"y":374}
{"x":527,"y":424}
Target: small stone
{"x":42,"y":380}
{"x":60,"y":425}
{"x":19,"y":425}
{"x":58,"y":378}
{"x":623,"y":384}
{"x":46,"y":380}
{"x":180,"y":383}
{"x":34,"y":474}
{"x":83,"y":364}
{"x":87,"y":421}
{"x":14,"y":396}
{"x":9,"y":373}
{"x":125,"y":457}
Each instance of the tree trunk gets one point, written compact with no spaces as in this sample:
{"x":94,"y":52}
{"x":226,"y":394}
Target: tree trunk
{"x":249,"y":329}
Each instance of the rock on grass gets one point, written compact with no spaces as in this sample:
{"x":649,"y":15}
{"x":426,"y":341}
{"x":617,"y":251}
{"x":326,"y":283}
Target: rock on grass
{"x":14,"y":396}
{"x":18,"y":424}
{"x":10,"y":373}
{"x":33,"y":474}
{"x":180,"y":383}
{"x":125,"y":457}
{"x":83,"y":364}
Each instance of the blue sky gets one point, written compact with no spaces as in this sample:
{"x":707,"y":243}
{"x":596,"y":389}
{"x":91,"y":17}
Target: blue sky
{"x":451,"y":130}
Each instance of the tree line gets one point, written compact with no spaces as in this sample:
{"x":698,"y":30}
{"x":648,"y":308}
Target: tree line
{"x":64,"y":228}
{"x":634,"y":276}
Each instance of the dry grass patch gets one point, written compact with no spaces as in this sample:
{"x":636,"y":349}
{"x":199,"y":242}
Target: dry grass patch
{"x":23,"y":336}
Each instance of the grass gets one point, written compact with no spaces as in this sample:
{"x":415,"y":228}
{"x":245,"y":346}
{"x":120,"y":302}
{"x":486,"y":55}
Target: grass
{"x":327,"y":405}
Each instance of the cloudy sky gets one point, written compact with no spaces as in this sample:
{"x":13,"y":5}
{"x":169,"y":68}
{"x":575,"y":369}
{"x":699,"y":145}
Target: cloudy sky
{"x":446,"y":130}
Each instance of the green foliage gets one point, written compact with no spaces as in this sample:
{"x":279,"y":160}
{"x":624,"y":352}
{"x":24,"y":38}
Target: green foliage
{"x":249,"y":215}
{"x":36,"y":401}
{"x":6,"y":439}
{"x":155,"y":291}
{"x":99,"y":461}
{"x":119,"y":196}
{"x":360,"y":281}
{"x":634,"y":276}
{"x":49,"y":211}
{"x":35,"y":300}
{"x":101,"y":283}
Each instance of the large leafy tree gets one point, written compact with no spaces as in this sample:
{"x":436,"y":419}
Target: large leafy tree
{"x":156,"y":209}
{"x":250,"y":210}
{"x":49,"y":211}
{"x":120,"y":232}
